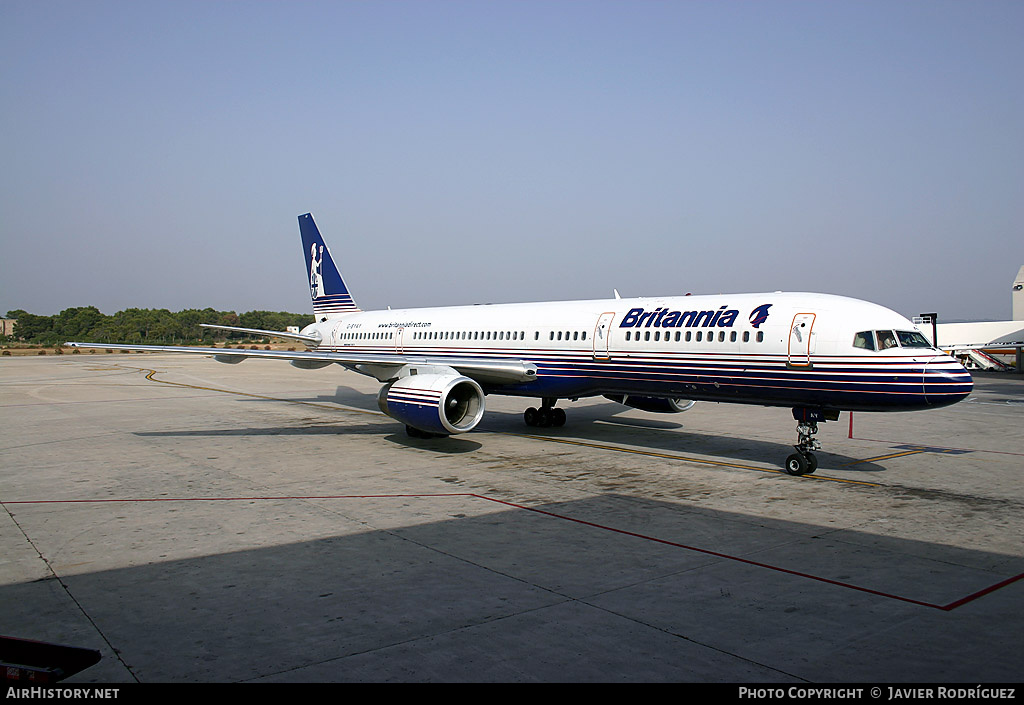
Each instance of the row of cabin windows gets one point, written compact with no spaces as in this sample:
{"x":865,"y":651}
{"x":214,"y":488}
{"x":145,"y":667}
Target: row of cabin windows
{"x":567,"y":335}
{"x":689,"y":335}
{"x":470,"y":335}
{"x":497,"y":335}
{"x":380,"y":335}
{"x":576,"y":335}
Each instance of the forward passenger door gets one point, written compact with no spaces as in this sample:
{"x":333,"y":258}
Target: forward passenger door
{"x":801,"y":337}
{"x":602,"y":336}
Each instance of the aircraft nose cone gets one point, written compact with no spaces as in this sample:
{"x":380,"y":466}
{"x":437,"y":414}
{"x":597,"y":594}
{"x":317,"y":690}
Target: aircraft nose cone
{"x":946,"y":382}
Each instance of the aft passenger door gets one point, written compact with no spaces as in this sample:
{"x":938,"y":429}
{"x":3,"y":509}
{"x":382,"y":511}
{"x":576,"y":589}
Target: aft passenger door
{"x":801,"y":336}
{"x":602,"y":336}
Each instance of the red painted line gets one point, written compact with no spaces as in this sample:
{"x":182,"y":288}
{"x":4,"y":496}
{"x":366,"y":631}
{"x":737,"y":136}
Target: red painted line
{"x":236,"y":499}
{"x":946,"y":608}
{"x":974,"y":596}
{"x":723,"y":555}
{"x":102,"y":401}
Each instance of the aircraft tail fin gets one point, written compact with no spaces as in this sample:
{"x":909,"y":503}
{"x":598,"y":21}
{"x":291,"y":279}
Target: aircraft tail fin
{"x":327,"y":289}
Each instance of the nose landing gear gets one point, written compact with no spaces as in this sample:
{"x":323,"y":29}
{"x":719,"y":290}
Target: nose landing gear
{"x":803,"y":461}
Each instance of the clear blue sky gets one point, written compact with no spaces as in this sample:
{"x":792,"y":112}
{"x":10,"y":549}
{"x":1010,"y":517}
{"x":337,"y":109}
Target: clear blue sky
{"x":156,"y":154}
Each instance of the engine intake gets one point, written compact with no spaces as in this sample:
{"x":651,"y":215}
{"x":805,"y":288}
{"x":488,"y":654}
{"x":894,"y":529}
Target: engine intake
{"x":434,"y":403}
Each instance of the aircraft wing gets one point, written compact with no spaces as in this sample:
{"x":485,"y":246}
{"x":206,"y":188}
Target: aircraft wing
{"x":383,"y":366}
{"x":310,"y":340}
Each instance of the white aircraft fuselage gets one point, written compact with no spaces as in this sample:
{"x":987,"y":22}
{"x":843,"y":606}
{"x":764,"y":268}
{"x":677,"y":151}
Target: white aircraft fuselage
{"x":815,"y":353}
{"x":694,"y":347}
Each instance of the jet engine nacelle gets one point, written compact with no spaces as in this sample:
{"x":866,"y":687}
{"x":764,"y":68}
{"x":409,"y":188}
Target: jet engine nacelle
{"x":434,"y":403}
{"x":660,"y":405}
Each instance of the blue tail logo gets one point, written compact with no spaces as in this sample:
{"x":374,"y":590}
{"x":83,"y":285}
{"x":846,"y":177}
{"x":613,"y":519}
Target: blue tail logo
{"x":326,"y":287}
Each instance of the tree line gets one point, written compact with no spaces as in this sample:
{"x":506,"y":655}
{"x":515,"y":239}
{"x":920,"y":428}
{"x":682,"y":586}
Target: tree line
{"x":88,"y":324}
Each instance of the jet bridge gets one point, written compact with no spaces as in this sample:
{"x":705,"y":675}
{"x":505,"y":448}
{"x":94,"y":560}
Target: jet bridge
{"x":38,"y":663}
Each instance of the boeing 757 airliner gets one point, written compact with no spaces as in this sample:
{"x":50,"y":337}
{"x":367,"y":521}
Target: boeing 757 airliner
{"x":814,"y":353}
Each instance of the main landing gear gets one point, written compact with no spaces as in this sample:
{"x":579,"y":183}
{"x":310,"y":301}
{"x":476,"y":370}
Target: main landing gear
{"x":546,"y":416}
{"x":803,"y":461}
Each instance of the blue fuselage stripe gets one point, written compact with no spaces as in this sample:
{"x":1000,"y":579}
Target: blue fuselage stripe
{"x":847,"y":383}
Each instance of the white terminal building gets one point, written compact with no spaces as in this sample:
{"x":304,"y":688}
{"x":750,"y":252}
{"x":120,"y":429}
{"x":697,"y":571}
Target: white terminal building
{"x":992,"y":345}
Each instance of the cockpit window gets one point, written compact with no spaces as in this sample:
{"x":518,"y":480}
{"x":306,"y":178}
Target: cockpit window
{"x":886,"y":339}
{"x":912,"y":339}
{"x":864,"y":340}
